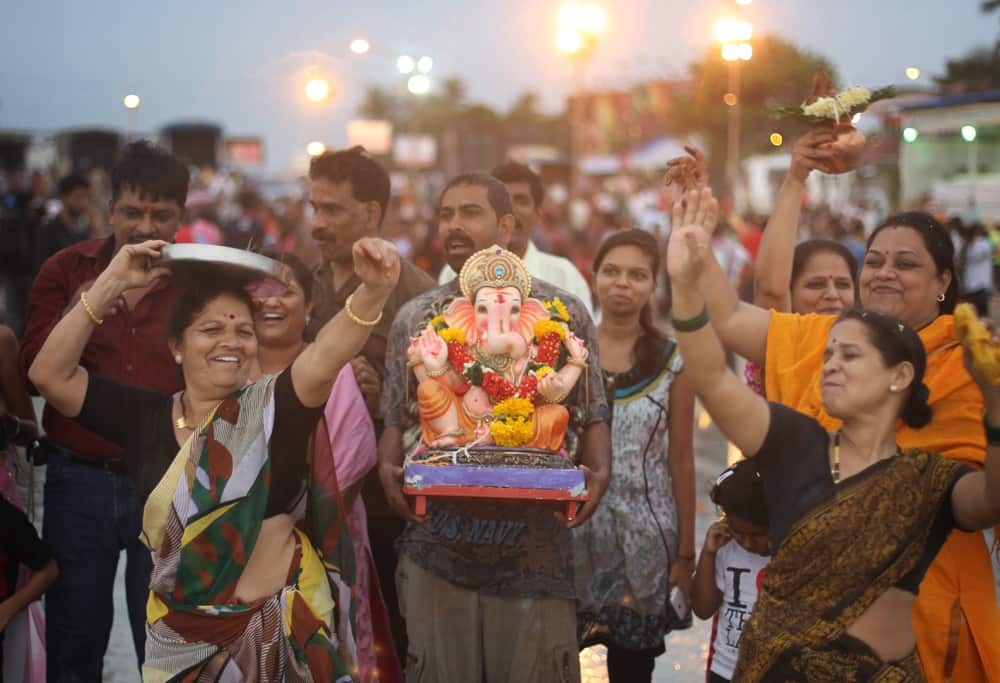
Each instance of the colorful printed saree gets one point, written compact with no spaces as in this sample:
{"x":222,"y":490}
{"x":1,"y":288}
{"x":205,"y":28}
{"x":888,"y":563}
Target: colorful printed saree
{"x":202,"y":522}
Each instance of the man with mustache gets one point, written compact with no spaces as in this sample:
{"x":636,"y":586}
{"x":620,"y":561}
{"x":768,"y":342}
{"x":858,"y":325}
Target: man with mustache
{"x":349,"y":193}
{"x":527,"y":194}
{"x":486,"y":586}
{"x":92,"y":512}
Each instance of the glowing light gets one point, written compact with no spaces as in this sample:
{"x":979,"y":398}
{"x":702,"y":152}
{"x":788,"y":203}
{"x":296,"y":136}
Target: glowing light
{"x":856,"y":118}
{"x":913,"y":73}
{"x":745,"y":51}
{"x":704,"y":420}
{"x":569,"y":41}
{"x":425,"y":64}
{"x":419,"y":84}
{"x":969,"y":133}
{"x":317,"y":90}
{"x":131,"y":101}
{"x":406,"y":64}
{"x":591,"y":19}
{"x":730,"y":52}
{"x":910,"y":134}
{"x":360,"y":46}
{"x":777,"y":139}
{"x":315,"y":148}
{"x":729,"y":30}
{"x":730,"y":99}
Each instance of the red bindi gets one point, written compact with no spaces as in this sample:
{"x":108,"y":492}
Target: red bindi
{"x":232,"y":317}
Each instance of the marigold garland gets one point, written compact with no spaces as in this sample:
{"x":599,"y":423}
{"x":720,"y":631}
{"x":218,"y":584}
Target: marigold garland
{"x":543,"y":328}
{"x":452,"y":334}
{"x":512,"y":432}
{"x":557,"y":307}
{"x":514,"y":407}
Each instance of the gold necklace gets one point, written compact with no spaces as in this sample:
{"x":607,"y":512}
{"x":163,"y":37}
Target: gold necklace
{"x":835,"y":470}
{"x":181,"y":422}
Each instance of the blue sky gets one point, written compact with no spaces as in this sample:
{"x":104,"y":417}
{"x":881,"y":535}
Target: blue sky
{"x":243,"y":63}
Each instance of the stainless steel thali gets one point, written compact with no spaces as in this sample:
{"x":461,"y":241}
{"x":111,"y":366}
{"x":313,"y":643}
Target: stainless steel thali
{"x":246,"y":265}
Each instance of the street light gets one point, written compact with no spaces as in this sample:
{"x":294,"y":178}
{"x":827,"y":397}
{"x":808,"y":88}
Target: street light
{"x":969,"y":133}
{"x":418,"y":84}
{"x":132,"y":102}
{"x":580,"y":25}
{"x":913,"y":73}
{"x":910,"y":134}
{"x":425,"y":64}
{"x":360,"y":46}
{"x":318,"y":89}
{"x":405,"y":64}
{"x":315,"y":148}
{"x":734,"y":35}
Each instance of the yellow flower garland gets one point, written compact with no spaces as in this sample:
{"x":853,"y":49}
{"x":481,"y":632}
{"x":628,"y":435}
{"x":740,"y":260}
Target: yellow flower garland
{"x":544,"y":327}
{"x":514,"y":407}
{"x":450,"y":334}
{"x":512,"y":432}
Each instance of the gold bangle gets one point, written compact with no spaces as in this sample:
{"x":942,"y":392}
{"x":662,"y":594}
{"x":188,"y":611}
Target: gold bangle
{"x":355,"y":319}
{"x":90,"y":311}
{"x":437,"y":373}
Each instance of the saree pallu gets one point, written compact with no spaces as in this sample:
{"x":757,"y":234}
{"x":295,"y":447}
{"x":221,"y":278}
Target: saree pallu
{"x":202,"y":521}
{"x":956,"y":616}
{"x":834,"y":563}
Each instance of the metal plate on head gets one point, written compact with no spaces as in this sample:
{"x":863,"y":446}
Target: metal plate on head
{"x":246,"y":264}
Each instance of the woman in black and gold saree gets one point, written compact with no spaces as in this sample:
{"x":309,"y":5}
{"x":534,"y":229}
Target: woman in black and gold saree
{"x":854,"y":521}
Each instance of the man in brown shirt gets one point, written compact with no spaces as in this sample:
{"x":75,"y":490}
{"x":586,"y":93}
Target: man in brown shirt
{"x":92,"y":511}
{"x":349,"y":193}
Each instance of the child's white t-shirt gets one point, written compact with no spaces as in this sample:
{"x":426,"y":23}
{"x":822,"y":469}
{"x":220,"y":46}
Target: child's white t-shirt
{"x":738,"y":575}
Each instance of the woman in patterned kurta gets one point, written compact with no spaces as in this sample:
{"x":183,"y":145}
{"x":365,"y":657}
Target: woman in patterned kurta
{"x":640,"y":541}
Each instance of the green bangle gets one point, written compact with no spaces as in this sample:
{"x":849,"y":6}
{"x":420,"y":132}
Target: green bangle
{"x":992,"y":433}
{"x":690,"y":324}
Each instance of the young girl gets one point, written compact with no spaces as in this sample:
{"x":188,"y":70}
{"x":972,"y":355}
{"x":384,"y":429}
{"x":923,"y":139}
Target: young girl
{"x":732,"y":563}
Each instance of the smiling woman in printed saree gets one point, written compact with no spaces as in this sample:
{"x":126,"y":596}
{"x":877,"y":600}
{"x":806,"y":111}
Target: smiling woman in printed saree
{"x":253,"y":563}
{"x":854,"y":521}
{"x":494,"y":367}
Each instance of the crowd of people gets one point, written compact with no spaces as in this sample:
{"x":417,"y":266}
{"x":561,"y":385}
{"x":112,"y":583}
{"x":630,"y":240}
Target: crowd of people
{"x":243,"y":443}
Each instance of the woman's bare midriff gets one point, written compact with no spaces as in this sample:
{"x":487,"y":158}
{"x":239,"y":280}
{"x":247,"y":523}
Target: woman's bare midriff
{"x":887,"y":625}
{"x":267,"y":568}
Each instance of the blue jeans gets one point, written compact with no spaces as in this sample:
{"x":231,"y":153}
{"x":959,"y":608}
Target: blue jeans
{"x":91,"y":515}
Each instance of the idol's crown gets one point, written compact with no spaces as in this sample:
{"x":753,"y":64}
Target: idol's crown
{"x":494,"y":267}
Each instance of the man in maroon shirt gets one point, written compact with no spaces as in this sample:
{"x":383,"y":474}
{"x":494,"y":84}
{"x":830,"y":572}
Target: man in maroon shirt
{"x":91,"y":510}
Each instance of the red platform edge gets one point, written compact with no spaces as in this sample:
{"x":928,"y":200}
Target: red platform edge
{"x":420,"y":495}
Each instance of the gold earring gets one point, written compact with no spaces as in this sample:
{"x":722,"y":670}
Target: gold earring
{"x":892,"y":388}
{"x":940,"y":298}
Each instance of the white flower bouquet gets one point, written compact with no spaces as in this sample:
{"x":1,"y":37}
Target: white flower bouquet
{"x":827,"y":107}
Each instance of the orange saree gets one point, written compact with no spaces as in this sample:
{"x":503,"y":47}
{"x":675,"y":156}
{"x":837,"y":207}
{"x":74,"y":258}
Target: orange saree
{"x":955,"y":617}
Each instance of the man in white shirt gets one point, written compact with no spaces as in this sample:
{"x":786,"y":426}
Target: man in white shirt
{"x":526,"y":193}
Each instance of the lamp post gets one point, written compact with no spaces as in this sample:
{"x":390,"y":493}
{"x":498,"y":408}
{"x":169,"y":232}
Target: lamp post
{"x":132,"y":102}
{"x":969,"y":134}
{"x":580,"y":26}
{"x":734,"y":35}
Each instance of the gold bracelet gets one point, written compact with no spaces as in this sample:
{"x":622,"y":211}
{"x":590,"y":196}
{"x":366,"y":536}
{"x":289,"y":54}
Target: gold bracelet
{"x":355,"y":319}
{"x":90,"y":311}
{"x":437,"y":373}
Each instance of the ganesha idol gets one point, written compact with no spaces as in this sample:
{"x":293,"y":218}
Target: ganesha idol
{"x":494,"y":368}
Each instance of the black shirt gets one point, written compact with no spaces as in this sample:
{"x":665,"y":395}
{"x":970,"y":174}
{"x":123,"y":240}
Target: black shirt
{"x":141,"y":422}
{"x":794,"y":463}
{"x":19,"y":544}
